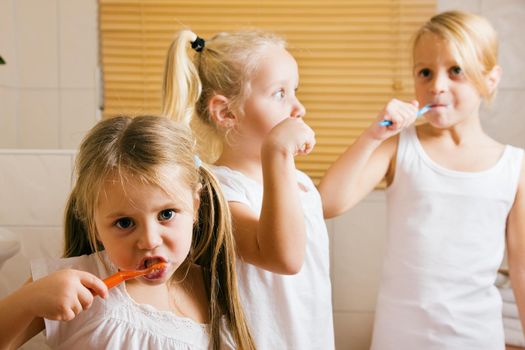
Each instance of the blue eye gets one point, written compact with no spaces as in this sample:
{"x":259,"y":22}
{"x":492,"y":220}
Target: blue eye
{"x":166,"y":215}
{"x":425,"y":73}
{"x":124,"y":223}
{"x":456,"y":70}
{"x":279,"y":94}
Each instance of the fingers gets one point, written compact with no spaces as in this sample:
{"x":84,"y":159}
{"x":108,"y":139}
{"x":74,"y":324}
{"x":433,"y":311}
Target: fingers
{"x":89,"y":286}
{"x":308,"y":139}
{"x":400,"y":113}
{"x":94,"y":284}
{"x":292,"y":135}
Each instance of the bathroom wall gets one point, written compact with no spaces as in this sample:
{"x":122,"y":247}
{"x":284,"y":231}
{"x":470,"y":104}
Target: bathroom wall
{"x":34,"y":185}
{"x":48,"y":98}
{"x":48,"y":87}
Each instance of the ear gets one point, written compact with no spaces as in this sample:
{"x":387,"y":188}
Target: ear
{"x":493,"y":78}
{"x":220,"y":112}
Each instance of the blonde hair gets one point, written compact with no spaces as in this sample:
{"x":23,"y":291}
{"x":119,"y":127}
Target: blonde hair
{"x":142,"y":148}
{"x":224,"y":67}
{"x":473,"y":41}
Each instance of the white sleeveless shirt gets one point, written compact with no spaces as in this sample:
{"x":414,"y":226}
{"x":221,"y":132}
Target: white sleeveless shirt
{"x":446,"y":239}
{"x":118,"y":322}
{"x":286,"y":312}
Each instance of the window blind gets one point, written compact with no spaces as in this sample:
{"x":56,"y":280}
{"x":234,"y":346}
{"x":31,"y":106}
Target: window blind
{"x":353,"y":55}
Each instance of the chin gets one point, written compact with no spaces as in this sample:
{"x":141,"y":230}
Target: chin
{"x":441,"y":121}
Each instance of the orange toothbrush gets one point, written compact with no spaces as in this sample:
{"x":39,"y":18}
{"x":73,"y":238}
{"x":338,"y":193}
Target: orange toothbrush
{"x":122,"y":276}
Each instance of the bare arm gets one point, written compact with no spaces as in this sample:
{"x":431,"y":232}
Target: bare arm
{"x":59,"y":296}
{"x":276,"y":240}
{"x":17,"y":322}
{"x":365,"y":163}
{"x":516,"y":247}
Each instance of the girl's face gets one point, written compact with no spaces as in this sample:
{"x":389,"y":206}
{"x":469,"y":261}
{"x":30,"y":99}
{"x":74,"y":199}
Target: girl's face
{"x":272,"y":95}
{"x":440,"y":82}
{"x":139,"y":224}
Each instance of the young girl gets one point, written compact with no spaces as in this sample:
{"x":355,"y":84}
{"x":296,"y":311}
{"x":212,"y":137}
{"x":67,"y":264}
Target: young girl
{"x":248,"y":117}
{"x":140,"y":198}
{"x":453,"y":194}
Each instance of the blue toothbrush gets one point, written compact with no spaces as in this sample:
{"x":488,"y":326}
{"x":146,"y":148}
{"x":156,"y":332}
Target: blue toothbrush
{"x":418,"y":114}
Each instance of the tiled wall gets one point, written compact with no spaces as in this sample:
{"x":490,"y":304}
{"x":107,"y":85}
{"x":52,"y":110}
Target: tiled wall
{"x":34,"y":185}
{"x":48,"y":100}
{"x":48,"y":87}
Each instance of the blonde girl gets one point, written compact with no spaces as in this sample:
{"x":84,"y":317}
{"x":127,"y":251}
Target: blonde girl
{"x":140,"y":197}
{"x":454,"y":195}
{"x":238,"y":90}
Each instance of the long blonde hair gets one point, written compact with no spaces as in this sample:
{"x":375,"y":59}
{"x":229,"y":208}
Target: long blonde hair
{"x":224,"y":67}
{"x":473,"y":41}
{"x":141,"y":147}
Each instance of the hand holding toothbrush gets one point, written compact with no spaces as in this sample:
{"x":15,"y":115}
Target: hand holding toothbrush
{"x":394,"y":117}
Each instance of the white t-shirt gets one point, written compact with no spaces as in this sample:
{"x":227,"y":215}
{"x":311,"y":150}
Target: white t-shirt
{"x":446,"y":238}
{"x":118,"y":322}
{"x":286,"y":312}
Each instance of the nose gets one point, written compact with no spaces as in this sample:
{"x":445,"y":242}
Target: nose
{"x":150,"y":237}
{"x":440,"y":83}
{"x":298,"y":109}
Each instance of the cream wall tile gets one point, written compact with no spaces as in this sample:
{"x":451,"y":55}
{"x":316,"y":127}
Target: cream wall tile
{"x":508,"y":18}
{"x":358,"y":246}
{"x":463,"y":5}
{"x":35,"y":243}
{"x":78,"y":43}
{"x":8,"y":114}
{"x":33,"y":189}
{"x":505,"y":120}
{"x":78,"y":113}
{"x":37,"y":42}
{"x":353,"y":330}
{"x":39,"y":119}
{"x":8,"y":72}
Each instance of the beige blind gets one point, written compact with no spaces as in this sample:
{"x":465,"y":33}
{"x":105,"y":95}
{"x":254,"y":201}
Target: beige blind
{"x":353,"y":55}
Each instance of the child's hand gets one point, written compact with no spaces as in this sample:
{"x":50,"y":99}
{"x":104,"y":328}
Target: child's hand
{"x":402,"y":114}
{"x":291,"y":136}
{"x":64,"y":294}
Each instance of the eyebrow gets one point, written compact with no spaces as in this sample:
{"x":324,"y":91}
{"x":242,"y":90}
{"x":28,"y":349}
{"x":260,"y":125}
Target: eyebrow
{"x":166,"y":205}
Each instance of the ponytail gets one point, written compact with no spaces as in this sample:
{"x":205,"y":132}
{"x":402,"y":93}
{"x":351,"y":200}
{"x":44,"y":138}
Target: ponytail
{"x":214,"y":251}
{"x":181,"y":86}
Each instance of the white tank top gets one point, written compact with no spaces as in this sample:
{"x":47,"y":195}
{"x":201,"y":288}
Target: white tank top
{"x":446,"y":239}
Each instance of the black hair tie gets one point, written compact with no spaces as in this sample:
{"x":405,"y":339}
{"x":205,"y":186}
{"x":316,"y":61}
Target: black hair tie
{"x":198,"y":44}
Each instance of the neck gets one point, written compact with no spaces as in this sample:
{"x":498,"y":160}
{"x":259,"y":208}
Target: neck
{"x":248,"y":163}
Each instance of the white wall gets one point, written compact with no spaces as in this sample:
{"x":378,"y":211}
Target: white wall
{"x":48,"y":88}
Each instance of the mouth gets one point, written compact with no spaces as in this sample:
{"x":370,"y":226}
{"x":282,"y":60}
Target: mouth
{"x":437,"y":105}
{"x":149,"y":261}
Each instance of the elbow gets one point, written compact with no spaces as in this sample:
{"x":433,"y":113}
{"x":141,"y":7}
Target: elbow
{"x":288,"y":265}
{"x":331,"y":211}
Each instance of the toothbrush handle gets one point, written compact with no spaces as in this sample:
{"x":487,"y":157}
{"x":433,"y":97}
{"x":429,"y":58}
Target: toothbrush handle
{"x":122,"y":276}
